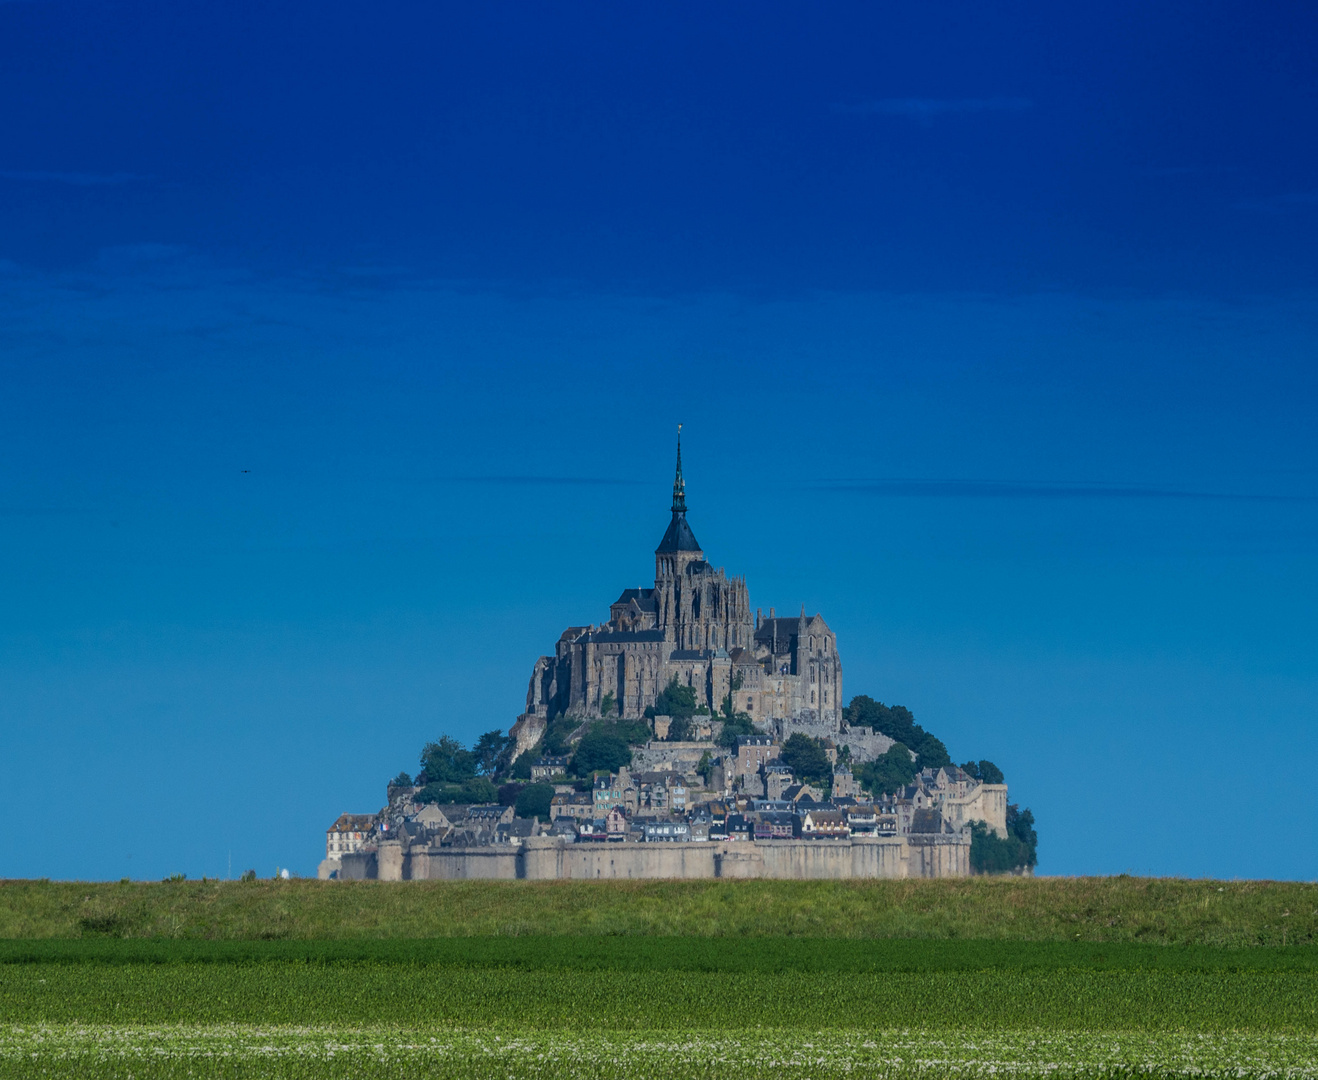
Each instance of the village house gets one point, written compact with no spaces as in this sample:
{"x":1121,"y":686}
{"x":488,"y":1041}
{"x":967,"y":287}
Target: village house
{"x":777,"y":779}
{"x":821,"y":825}
{"x":577,"y":806}
{"x":775,"y":826}
{"x":666,"y":832}
{"x":844,"y":783}
{"x":593,"y":829}
{"x":349,"y":833}
{"x":606,"y":794}
{"x":615,"y":823}
{"x":547,"y":768}
{"x":754,"y":752}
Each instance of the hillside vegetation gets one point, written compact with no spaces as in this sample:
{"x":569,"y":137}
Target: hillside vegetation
{"x":1114,"y":909}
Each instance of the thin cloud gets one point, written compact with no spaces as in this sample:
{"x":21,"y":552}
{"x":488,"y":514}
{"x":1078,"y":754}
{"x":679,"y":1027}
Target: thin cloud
{"x":1015,"y":489}
{"x":1278,"y":204}
{"x":927,"y":109}
{"x":544,"y":481}
{"x":77,"y":179}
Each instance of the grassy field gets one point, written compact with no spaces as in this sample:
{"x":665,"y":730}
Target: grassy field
{"x":1164,"y":911}
{"x":1087,"y":978}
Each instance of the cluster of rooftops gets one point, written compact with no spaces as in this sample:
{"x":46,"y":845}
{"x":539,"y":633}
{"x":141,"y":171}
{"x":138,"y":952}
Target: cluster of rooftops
{"x":662,"y":806}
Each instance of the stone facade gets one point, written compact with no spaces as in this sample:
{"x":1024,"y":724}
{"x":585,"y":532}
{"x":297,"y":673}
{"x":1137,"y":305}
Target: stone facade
{"x":543,"y":858}
{"x":695,"y":625}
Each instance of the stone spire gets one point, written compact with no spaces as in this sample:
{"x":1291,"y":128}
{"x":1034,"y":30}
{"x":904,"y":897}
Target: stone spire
{"x":679,"y":536}
{"x":679,"y":485}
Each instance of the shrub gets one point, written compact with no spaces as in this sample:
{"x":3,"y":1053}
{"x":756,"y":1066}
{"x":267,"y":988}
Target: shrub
{"x":600,"y":751}
{"x":806,"y":758}
{"x":533,"y":801}
{"x":888,"y":772}
{"x":1017,"y":851}
{"x":898,"y":723}
{"x":676,"y":701}
{"x":475,"y":790}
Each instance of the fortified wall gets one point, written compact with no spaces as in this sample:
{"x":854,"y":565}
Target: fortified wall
{"x":545,"y":858}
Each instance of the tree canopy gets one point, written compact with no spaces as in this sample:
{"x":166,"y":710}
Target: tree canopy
{"x":487,"y":750}
{"x":734,"y":727}
{"x":600,"y":750}
{"x":898,"y":723}
{"x":806,"y":758}
{"x":984,"y":771}
{"x":888,"y":772}
{"x":676,"y":701}
{"x":450,"y":773}
{"x":1018,"y":851}
{"x":533,"y":801}
{"x":447,"y":762}
{"x":477,"y":789}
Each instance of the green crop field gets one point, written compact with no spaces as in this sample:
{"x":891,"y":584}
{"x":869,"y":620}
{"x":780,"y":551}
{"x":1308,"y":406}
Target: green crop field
{"x":1110,"y":977}
{"x":1166,"y":911}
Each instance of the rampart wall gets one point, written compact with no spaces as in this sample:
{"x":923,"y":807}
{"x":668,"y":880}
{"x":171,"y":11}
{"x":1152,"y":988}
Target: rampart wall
{"x":548,"y":858}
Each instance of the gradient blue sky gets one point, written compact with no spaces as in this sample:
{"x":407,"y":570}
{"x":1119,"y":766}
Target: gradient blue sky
{"x":341,"y":350}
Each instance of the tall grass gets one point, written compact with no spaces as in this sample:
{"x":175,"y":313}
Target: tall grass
{"x":1112,"y":909}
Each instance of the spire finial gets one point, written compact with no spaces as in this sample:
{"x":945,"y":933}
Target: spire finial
{"x":679,"y":485}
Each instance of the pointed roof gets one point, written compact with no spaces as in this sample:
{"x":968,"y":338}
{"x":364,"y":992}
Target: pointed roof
{"x":679,"y":485}
{"x":678,"y":536}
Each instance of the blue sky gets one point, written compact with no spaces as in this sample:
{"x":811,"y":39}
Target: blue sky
{"x":341,"y":353}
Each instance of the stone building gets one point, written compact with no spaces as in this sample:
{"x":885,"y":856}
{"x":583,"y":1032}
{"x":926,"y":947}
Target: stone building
{"x":695,"y":625}
{"x":349,"y":833}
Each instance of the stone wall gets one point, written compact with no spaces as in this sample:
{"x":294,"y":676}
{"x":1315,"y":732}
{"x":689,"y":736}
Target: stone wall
{"x":866,"y":744}
{"x":548,"y":858}
{"x":683,"y":757}
{"x":986,"y":803}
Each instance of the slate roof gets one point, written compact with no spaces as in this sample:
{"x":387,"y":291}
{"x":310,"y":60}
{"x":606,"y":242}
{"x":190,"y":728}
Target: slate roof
{"x":642,"y":598}
{"x":786,"y":628}
{"x":927,"y":821}
{"x":678,"y":537}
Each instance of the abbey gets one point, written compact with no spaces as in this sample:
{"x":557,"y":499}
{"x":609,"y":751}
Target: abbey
{"x":694,"y":626}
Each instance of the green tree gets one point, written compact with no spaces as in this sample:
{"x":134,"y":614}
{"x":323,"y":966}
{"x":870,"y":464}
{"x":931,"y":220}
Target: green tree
{"x":887,"y":773}
{"x":1014,"y":853}
{"x":736,"y":726}
{"x":806,"y":758}
{"x":447,"y":762}
{"x":487,"y":750}
{"x":607,"y":704}
{"x":475,"y":789}
{"x":676,"y":701}
{"x":533,"y":801}
{"x":705,"y":766}
{"x":600,"y":751}
{"x":401,"y":780}
{"x":984,"y":771}
{"x":735,"y":683}
{"x":898,"y":723}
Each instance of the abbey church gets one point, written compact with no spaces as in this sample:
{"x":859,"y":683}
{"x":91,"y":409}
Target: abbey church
{"x":695,"y":625}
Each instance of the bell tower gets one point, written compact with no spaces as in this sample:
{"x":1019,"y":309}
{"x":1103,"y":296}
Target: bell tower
{"x":676,"y":551}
